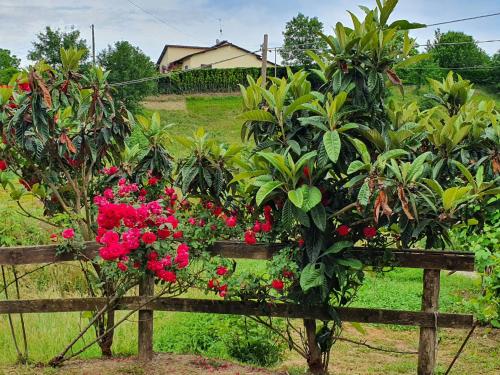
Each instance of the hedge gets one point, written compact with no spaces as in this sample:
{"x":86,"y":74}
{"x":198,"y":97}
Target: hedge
{"x":216,"y":80}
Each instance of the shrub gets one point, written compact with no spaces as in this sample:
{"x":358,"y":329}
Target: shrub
{"x":217,"y":80}
{"x":228,"y":337}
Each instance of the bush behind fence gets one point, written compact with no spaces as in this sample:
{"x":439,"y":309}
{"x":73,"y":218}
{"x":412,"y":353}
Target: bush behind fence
{"x":227,"y":80}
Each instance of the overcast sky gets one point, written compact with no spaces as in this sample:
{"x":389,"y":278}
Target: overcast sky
{"x":197,"y":21}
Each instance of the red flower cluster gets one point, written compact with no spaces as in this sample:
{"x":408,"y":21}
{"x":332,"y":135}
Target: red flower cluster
{"x":129,"y":227}
{"x":216,"y":285}
{"x":260,"y":227}
{"x":68,"y":233}
{"x":110,"y":171}
{"x":3,"y":165}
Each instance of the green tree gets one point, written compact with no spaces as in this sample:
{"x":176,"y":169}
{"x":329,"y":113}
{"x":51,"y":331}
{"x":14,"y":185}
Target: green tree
{"x":301,"y":34}
{"x":49,"y":43}
{"x":495,"y":73}
{"x":8,"y":65}
{"x":127,"y":62}
{"x":467,"y":54}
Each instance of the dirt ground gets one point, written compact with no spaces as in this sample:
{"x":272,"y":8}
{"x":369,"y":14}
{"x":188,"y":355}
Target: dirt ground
{"x":165,"y":102}
{"x":480,"y":357}
{"x":161,"y":364}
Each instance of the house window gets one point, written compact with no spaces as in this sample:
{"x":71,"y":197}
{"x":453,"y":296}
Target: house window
{"x":206,"y":66}
{"x":186,"y":67}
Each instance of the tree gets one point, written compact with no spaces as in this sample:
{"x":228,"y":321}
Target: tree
{"x":301,"y":34}
{"x":8,"y":65}
{"x":50,"y":42}
{"x":465,"y":55}
{"x":495,"y":72}
{"x":126,"y":62}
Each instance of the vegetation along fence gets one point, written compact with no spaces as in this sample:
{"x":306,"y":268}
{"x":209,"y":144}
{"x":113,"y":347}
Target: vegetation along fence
{"x":218,"y":80}
{"x":429,"y":319}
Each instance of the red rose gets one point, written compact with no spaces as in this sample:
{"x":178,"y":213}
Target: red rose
{"x":24,"y":87}
{"x":307,"y":172}
{"x":257,"y":227}
{"x":148,"y":238}
{"x":231,"y":221}
{"x":153,"y":181}
{"x":369,"y":232}
{"x":343,"y":230}
{"x":122,"y":266}
{"x":178,"y":234}
{"x":212,"y":284}
{"x":168,"y":276}
{"x":192,"y":221}
{"x":163,"y":233}
{"x":300,"y":242}
{"x":223,"y":290}
{"x":221,"y":270}
{"x":68,"y":233}
{"x":3,"y":165}
{"x":266,"y":227}
{"x":53,"y":237}
{"x":287,"y":274}
{"x":250,"y":237}
{"x":277,"y":284}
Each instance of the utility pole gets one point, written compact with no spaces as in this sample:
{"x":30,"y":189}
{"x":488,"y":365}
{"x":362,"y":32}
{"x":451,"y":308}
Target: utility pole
{"x":93,"y":44}
{"x":263,"y":72}
{"x":275,"y":51}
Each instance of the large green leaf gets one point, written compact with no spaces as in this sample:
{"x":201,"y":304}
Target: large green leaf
{"x":351,"y":262}
{"x":331,"y":140}
{"x":356,"y":165}
{"x":265,"y":190}
{"x":453,"y":196}
{"x":318,"y":215}
{"x":296,"y":197}
{"x":364,"y":194}
{"x":337,"y":247}
{"x":312,"y":196}
{"x":257,"y":115}
{"x":313,"y":275}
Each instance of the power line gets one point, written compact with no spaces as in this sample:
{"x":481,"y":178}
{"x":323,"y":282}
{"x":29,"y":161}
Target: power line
{"x":463,"y":19}
{"x":159,"y":19}
{"x":416,"y":45}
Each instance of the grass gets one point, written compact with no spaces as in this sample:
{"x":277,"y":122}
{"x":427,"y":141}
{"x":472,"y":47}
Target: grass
{"x":216,"y":115}
{"x":399,"y":289}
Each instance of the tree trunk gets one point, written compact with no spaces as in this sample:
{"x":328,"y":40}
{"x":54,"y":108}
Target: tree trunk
{"x":314,"y":355}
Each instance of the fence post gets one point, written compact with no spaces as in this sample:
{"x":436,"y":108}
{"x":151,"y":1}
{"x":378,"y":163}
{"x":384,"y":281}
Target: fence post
{"x":427,"y":346}
{"x":146,"y":289}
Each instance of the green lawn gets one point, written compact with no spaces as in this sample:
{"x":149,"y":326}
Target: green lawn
{"x":216,"y":114}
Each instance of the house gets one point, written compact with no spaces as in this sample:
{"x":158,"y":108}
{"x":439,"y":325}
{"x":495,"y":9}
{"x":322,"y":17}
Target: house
{"x":222,"y":55}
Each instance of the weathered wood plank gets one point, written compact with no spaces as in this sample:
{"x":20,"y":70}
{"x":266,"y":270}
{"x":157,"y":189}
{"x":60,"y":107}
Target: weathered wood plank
{"x":427,"y":345}
{"x":145,"y":333}
{"x":43,"y":254}
{"x":349,"y":314}
{"x":427,"y":259}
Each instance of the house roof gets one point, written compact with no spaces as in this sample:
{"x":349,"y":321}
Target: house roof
{"x":176,"y":46}
{"x":205,"y":49}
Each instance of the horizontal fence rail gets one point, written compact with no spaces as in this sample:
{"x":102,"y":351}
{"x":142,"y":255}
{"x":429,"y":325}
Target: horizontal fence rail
{"x":410,"y":258}
{"x":283,"y":310}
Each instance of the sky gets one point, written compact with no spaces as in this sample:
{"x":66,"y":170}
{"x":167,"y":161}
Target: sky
{"x":196,"y":22}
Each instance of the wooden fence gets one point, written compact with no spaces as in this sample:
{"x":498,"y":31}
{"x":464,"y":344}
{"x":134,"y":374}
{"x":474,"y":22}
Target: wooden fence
{"x":428,"y":319}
